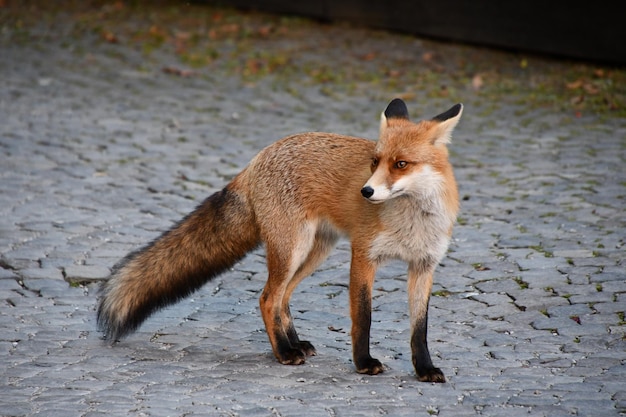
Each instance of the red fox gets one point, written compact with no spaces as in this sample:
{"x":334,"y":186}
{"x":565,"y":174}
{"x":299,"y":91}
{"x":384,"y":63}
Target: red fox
{"x":394,"y":198}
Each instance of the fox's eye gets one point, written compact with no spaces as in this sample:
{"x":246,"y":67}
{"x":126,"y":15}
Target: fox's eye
{"x":401,"y":164}
{"x":374,"y":162}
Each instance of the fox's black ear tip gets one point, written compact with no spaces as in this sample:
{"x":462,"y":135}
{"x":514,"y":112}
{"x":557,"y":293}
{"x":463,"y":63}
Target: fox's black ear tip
{"x":397,"y":109}
{"x":450,"y":113}
{"x":455,"y":110}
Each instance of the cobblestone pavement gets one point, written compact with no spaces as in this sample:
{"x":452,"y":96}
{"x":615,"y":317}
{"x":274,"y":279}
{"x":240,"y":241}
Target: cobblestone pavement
{"x":110,"y":132}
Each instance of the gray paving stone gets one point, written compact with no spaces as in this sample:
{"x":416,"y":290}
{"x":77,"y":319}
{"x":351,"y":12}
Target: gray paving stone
{"x":100,"y":151}
{"x":533,"y":398}
{"x":569,"y":310}
{"x":86,"y":273}
{"x":16,"y":410}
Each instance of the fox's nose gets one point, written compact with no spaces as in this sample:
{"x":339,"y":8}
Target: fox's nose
{"x":367,"y":191}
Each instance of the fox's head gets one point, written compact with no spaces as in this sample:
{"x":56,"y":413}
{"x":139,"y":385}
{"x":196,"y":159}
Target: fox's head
{"x":410,"y":158}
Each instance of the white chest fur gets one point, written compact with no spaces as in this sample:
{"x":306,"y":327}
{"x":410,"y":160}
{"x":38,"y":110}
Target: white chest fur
{"x":414,"y":230}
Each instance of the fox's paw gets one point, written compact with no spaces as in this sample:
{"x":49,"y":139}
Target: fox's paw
{"x":370,"y":366}
{"x":430,"y":375}
{"x":307,"y":348}
{"x":292,"y":357}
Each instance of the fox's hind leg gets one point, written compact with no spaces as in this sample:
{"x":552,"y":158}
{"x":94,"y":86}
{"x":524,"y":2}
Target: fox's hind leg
{"x":287,"y":258}
{"x":280,"y":272}
{"x":325,"y":240}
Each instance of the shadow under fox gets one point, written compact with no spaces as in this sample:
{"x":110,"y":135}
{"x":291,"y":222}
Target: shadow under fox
{"x":394,"y":198}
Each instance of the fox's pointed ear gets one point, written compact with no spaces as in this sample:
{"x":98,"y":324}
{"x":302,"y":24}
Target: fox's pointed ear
{"x":396,"y":109}
{"x":446,"y":122}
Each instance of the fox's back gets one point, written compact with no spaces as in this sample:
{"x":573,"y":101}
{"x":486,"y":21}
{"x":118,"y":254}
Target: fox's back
{"x":307,"y":157}
{"x":311,"y":175}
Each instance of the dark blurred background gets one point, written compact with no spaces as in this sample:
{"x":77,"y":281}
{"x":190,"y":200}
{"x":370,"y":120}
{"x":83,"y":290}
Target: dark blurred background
{"x":574,"y":29}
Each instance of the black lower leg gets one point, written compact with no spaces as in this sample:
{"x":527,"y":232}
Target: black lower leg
{"x":306,"y":347}
{"x":422,"y":363}
{"x":361,"y":323}
{"x":284,"y":351}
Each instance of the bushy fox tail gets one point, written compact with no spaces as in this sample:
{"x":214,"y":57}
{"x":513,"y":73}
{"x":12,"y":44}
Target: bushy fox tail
{"x":204,"y":244}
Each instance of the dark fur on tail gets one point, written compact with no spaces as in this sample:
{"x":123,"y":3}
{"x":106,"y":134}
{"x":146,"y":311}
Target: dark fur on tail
{"x":204,"y":244}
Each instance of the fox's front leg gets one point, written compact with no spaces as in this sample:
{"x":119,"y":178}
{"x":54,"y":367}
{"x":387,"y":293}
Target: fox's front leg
{"x":419,"y":287}
{"x":362,"y":272}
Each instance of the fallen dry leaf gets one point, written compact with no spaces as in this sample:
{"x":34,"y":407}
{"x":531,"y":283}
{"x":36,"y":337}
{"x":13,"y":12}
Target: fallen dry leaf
{"x":574,"y":85}
{"x":369,"y":56}
{"x":477,"y":82}
{"x":265,"y":31}
{"x":590,"y":88}
{"x":109,"y":36}
{"x":428,"y":56}
{"x":334,"y":329}
{"x":178,"y":71}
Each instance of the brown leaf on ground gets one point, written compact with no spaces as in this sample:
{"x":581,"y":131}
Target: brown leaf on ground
{"x":109,"y":36}
{"x":428,"y":56}
{"x":574,"y":85}
{"x":591,"y":88}
{"x":369,"y":56}
{"x":477,"y":82}
{"x":179,"y":72}
{"x":265,"y":31}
